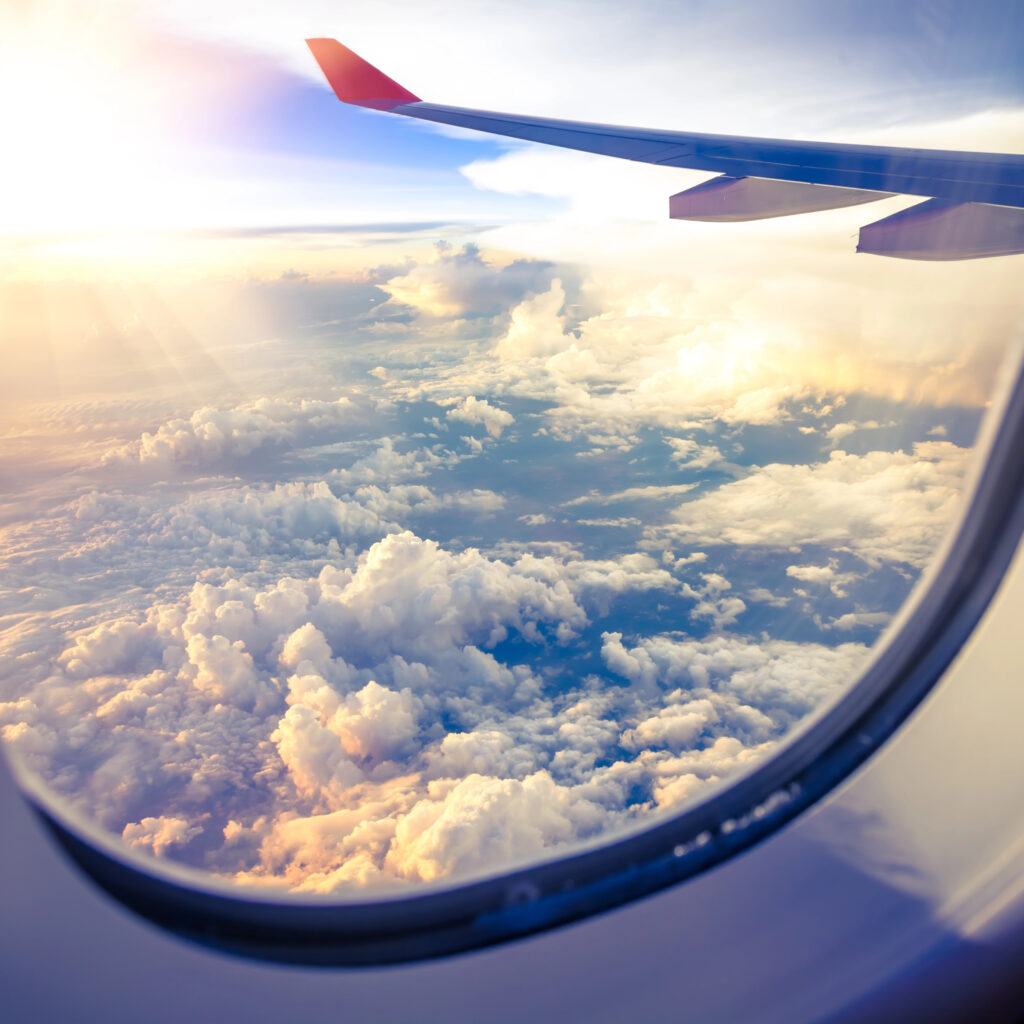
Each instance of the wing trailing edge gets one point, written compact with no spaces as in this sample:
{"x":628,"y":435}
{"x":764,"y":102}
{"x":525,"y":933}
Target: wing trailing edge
{"x":976,"y":203}
{"x":737,"y":199}
{"x":940,"y":230}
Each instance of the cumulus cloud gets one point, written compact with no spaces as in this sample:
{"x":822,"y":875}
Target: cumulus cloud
{"x":675,"y":727}
{"x":211,"y":435}
{"x":853,"y":620}
{"x":108,"y":647}
{"x":649,"y":492}
{"x":823,"y":575}
{"x":883,"y":506}
{"x":681,"y":778}
{"x":408,"y":500}
{"x":690,"y":454}
{"x":306,"y":716}
{"x":641,"y":363}
{"x":463,"y":283}
{"x":762,"y":595}
{"x":780,"y":679}
{"x":314,"y":756}
{"x":487,"y":752}
{"x":484,"y":821}
{"x":222,"y":670}
{"x":599,"y":580}
{"x":262,"y":517}
{"x":536,"y":328}
{"x":388,"y":466}
{"x":346,"y":655}
{"x":479,"y":410}
{"x":376,"y":724}
{"x":811,"y":573}
{"x":410,"y":597}
{"x":681,"y":354}
{"x":713,"y":603}
{"x":158,"y":834}
{"x":836,"y":433}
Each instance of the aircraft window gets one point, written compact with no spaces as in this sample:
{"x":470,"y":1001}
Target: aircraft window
{"x":414,"y":517}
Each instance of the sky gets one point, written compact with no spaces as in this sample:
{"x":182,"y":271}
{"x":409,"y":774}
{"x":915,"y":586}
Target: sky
{"x":386,"y":505}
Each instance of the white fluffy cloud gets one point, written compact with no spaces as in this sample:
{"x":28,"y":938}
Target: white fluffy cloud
{"x":479,"y":410}
{"x":222,"y":670}
{"x":852,"y":620}
{"x":484,"y":821}
{"x":690,"y":454}
{"x":262,"y":517}
{"x":689,"y":352}
{"x":211,"y":435}
{"x":387,"y":466}
{"x":481,"y":752}
{"x":676,"y":727}
{"x":883,"y":506}
{"x":780,"y":679}
{"x":536,"y":328}
{"x":302,"y":718}
{"x":462,"y":282}
{"x":315,"y":756}
{"x":411,"y":597}
{"x":158,"y":834}
{"x":347,"y":654}
{"x":823,"y":575}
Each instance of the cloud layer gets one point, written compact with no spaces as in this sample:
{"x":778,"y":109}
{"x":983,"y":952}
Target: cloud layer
{"x":500,"y":558}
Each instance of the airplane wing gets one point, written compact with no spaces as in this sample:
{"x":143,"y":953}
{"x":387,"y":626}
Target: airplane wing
{"x":974,"y":202}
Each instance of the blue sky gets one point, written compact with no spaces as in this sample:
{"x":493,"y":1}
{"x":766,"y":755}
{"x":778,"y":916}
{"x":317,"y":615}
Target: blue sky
{"x":228,"y":123}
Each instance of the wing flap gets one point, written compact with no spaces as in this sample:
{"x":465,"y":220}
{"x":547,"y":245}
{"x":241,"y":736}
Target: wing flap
{"x":939,"y":230}
{"x":742,"y":199}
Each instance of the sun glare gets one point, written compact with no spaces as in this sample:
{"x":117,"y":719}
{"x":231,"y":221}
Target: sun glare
{"x":84,"y":148}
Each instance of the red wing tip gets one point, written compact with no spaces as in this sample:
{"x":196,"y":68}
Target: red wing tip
{"x":355,"y":80}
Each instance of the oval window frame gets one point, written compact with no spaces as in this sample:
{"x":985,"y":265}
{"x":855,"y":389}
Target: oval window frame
{"x":443,"y":919}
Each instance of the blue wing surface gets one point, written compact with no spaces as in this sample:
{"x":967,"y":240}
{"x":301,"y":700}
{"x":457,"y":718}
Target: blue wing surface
{"x":974,"y":202}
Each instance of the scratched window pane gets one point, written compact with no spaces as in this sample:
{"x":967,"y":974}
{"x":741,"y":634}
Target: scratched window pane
{"x":385,"y":504}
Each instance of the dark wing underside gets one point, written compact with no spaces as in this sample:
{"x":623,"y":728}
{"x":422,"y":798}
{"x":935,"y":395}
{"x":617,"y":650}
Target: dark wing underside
{"x":974,"y":202}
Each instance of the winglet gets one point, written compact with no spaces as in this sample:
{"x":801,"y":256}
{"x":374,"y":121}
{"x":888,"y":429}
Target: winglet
{"x":354,"y":80}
